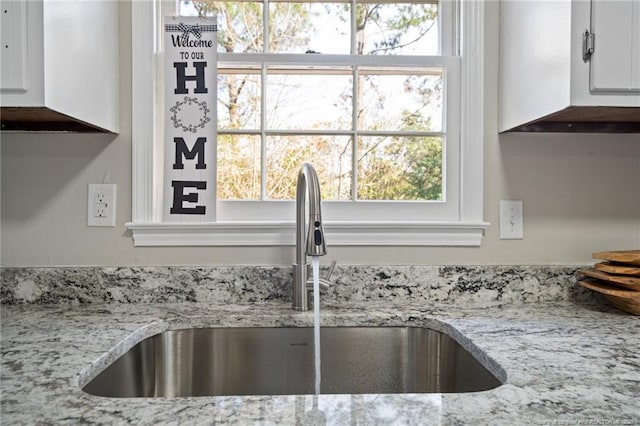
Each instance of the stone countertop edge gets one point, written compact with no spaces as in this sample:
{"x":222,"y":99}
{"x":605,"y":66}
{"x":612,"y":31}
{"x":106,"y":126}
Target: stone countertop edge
{"x":562,"y":362}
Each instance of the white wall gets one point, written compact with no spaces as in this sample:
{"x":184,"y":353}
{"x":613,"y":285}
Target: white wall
{"x":581,"y":194}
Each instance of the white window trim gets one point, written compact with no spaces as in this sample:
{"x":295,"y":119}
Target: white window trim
{"x":148,"y":229}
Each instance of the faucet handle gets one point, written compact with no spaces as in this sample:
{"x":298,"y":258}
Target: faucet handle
{"x":331,"y":268}
{"x":325,"y":282}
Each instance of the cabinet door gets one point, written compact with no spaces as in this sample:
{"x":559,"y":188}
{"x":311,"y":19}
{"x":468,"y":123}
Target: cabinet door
{"x":615,"y":63}
{"x":13,"y":52}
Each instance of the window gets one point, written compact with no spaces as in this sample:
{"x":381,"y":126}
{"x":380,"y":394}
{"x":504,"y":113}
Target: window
{"x":390,"y":118}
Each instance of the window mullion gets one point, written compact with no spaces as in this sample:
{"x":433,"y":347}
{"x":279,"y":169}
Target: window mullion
{"x":263,"y":102}
{"x":448,"y":28}
{"x":226,"y":59}
{"x":354,"y":141}
{"x":353,"y":28}
{"x":265,"y":26}
{"x":263,"y":134}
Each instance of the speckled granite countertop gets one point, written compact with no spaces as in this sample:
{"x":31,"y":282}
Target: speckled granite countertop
{"x":564,"y":362}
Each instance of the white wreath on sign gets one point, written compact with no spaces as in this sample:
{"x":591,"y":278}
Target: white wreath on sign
{"x":177,"y":116}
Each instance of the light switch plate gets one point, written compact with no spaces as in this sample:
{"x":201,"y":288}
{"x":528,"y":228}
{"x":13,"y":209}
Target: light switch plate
{"x":101,"y":205}
{"x":511,"y":221}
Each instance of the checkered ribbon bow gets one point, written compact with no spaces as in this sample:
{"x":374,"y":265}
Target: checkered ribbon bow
{"x":189,"y":29}
{"x":185,"y":29}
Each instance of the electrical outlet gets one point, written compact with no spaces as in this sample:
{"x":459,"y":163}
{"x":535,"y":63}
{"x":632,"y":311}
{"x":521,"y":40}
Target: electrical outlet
{"x":511,"y":222}
{"x":100,"y":210}
{"x":101,"y":205}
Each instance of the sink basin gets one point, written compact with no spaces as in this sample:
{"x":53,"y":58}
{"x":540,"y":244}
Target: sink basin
{"x":280,"y":361}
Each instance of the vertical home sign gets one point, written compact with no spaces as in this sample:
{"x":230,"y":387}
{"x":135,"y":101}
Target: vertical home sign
{"x":190,"y":77}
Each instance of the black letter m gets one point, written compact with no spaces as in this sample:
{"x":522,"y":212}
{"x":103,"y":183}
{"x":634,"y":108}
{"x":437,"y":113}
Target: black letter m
{"x":183,"y":151}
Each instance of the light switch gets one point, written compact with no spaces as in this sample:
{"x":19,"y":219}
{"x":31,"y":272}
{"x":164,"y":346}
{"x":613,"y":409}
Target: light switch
{"x":511,"y":221}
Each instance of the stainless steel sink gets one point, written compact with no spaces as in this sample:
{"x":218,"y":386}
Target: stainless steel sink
{"x":279,"y":361}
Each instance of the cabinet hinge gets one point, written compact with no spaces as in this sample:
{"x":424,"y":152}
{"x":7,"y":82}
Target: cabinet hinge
{"x":587,"y":45}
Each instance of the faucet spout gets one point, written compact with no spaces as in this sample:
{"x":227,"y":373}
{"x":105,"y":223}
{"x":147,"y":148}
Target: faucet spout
{"x":309,"y":242}
{"x":313,"y":242}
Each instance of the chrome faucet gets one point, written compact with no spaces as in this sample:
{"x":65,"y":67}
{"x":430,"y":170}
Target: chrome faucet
{"x":311,"y":242}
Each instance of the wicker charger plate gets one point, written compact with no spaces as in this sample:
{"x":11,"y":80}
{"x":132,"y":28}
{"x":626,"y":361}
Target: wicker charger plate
{"x":631,"y":283}
{"x":625,"y":300}
{"x":618,"y":269}
{"x":631,"y":257}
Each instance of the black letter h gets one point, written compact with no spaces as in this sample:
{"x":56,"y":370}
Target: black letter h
{"x":181,"y":77}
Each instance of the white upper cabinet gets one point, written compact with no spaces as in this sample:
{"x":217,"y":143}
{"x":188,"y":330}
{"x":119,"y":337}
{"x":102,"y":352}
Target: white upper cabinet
{"x":614,"y":40}
{"x":60,"y":65}
{"x":570,"y":65}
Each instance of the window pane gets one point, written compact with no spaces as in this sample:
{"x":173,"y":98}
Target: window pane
{"x":238,"y":167}
{"x":400,"y":168}
{"x":296,"y":27}
{"x":239,"y":23}
{"x":308,"y":101}
{"x":239,"y":101}
{"x":396,"y":28}
{"x":330,"y":156}
{"x":400,"y":102}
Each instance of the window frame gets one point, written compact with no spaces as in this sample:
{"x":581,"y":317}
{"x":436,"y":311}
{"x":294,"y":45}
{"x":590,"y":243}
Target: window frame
{"x":462,"y":227}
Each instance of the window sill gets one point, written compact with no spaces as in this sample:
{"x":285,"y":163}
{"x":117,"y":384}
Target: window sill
{"x":283,"y":233}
